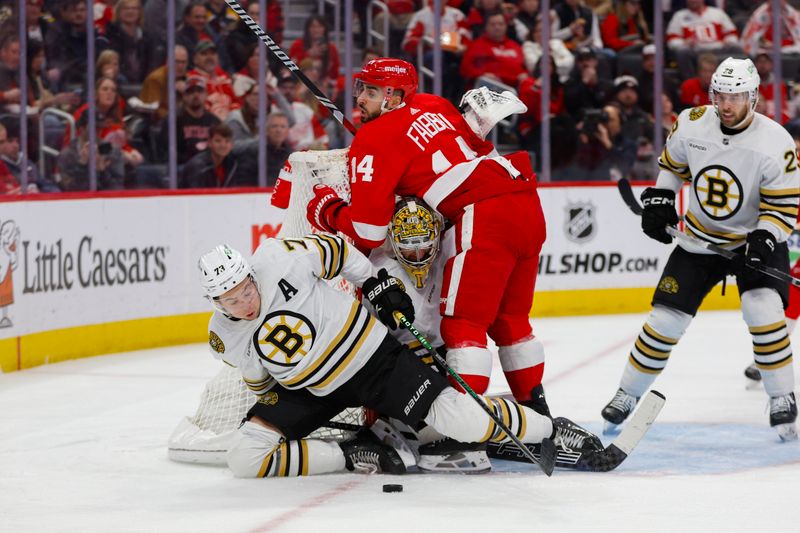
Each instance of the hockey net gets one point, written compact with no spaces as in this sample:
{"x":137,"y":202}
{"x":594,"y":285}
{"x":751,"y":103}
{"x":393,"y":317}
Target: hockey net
{"x":206,"y":436}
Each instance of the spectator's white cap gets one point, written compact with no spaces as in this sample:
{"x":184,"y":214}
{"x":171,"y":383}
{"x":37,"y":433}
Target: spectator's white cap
{"x":625,"y":82}
{"x":649,"y":50}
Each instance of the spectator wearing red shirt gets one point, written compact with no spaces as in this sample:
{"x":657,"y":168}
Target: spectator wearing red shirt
{"x":480,"y":11}
{"x":221,"y":99}
{"x":700,"y":28}
{"x":766,"y":90}
{"x":109,"y":120}
{"x":316,"y":44}
{"x":694,"y":91}
{"x":454,"y":36}
{"x":493,"y":54}
{"x":757,"y":34}
{"x":625,"y":29}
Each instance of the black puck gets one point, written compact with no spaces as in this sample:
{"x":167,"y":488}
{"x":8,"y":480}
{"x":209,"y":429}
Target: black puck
{"x":393,"y":488}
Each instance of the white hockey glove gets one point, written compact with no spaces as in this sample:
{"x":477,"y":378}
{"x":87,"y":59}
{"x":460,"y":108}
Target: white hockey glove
{"x":482,"y":108}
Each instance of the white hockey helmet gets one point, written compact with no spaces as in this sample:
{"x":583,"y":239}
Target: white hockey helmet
{"x":415,"y":232}
{"x":735,"y":76}
{"x":222,"y":269}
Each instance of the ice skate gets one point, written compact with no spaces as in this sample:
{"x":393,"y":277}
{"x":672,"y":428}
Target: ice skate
{"x":367,"y":454}
{"x":448,"y":455}
{"x":617,"y":410}
{"x":782,"y":416}
{"x":575,"y":445}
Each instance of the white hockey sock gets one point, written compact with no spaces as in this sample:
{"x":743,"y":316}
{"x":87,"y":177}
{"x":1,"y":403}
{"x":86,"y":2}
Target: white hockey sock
{"x":648,"y":357}
{"x":762,"y":310}
{"x":260,"y":452}
{"x":458,"y":416}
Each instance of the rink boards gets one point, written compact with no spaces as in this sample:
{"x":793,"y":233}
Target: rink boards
{"x":83,"y":275}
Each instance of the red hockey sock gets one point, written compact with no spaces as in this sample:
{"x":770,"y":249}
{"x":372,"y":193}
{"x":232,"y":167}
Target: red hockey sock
{"x":522,"y":381}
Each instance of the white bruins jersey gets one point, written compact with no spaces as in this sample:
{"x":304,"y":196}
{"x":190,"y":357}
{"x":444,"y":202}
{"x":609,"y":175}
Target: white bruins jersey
{"x":739,"y":182}
{"x":308,"y":334}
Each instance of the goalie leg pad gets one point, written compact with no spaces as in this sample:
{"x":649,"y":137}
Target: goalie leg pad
{"x":762,"y":310}
{"x":258,"y":451}
{"x":458,"y":416}
{"x":648,"y":357}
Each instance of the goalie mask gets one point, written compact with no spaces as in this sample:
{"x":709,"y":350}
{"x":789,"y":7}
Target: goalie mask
{"x":735,"y":79}
{"x":390,"y":75}
{"x":222,"y":269}
{"x":415,"y":232}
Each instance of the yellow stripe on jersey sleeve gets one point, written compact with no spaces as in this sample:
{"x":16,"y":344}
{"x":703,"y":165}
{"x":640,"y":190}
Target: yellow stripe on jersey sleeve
{"x":337,"y":260}
{"x":779,"y":193}
{"x":789,"y":209}
{"x":777,"y":221}
{"x":323,"y":255}
{"x":667,"y":163}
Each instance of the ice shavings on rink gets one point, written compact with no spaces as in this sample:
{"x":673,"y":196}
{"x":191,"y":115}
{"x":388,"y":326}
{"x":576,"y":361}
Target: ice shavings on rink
{"x":83,"y":448}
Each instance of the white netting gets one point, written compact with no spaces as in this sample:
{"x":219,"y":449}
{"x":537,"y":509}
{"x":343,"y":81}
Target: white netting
{"x":205,"y":437}
{"x":308,"y":169}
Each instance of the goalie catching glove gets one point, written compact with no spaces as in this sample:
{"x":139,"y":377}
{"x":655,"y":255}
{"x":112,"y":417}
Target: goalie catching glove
{"x":322,"y":208}
{"x":387,"y":294}
{"x":659,"y":212}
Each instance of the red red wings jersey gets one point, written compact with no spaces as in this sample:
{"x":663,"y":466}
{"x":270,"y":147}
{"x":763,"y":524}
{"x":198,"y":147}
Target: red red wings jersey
{"x":424,"y":148}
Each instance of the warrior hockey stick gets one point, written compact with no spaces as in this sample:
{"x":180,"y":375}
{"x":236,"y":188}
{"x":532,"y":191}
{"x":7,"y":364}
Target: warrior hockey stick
{"x":547,"y":452}
{"x":276,"y":50}
{"x":603,"y":461}
{"x":633,"y":204}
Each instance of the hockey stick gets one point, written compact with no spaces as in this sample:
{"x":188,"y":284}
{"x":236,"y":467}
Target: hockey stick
{"x":633,"y":204}
{"x":547,"y":454}
{"x":276,"y":50}
{"x":608,"y":459}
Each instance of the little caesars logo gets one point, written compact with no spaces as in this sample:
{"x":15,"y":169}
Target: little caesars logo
{"x":580,"y":223}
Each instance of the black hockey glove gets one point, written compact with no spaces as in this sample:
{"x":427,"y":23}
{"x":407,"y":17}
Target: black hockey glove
{"x":760,"y":246}
{"x":387,"y":294}
{"x":659,"y":212}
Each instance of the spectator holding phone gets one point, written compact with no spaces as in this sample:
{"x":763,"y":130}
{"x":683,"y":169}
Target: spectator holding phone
{"x":73,"y":163}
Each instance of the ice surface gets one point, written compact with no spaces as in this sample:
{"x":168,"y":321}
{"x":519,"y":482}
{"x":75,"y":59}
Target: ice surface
{"x":82,"y":448}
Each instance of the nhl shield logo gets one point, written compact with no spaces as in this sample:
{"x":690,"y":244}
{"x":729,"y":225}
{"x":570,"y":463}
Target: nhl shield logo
{"x":580,"y":225}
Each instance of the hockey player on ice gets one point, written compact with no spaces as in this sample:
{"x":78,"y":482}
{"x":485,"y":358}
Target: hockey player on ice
{"x":745,"y":185}
{"x":418,"y":144}
{"x":416,"y":252}
{"x":308,"y":351}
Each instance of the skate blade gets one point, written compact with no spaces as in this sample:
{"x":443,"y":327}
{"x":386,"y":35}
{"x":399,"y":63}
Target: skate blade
{"x":787,"y":432}
{"x":609,"y":428}
{"x":456,"y":463}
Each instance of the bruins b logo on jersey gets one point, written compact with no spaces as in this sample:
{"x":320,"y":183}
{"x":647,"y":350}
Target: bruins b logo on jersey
{"x":284,"y":338}
{"x":719,"y":192}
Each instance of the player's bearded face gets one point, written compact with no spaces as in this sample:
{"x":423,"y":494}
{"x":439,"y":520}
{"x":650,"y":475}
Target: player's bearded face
{"x":732,"y":108}
{"x":369,"y":99}
{"x":242,"y":301}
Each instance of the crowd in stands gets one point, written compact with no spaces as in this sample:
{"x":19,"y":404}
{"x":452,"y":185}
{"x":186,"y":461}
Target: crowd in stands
{"x":602,"y":81}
